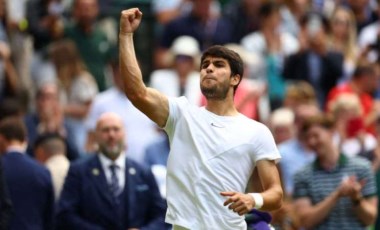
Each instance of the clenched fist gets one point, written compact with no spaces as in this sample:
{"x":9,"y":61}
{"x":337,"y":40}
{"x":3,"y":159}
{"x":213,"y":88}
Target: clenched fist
{"x":130,"y":20}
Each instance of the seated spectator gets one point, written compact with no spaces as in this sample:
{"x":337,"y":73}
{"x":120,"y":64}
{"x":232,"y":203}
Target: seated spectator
{"x":201,"y":23}
{"x":281,"y":124}
{"x":49,"y":118}
{"x":29,"y":183}
{"x":363,"y":84}
{"x":298,"y":93}
{"x":50,"y":150}
{"x":181,"y":79}
{"x":108,"y":190}
{"x":295,"y":153}
{"x":315,"y":62}
{"x":114,"y":100}
{"x":343,"y":39}
{"x":333,"y":192}
{"x":351,"y":136}
{"x":273,"y":46}
{"x":78,"y":87}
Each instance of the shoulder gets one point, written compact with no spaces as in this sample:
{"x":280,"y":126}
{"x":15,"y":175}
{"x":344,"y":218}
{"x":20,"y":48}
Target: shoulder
{"x":305,"y":172}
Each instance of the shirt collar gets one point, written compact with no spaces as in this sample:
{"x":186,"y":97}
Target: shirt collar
{"x":16,"y":148}
{"x":342,"y":161}
{"x":119,"y":162}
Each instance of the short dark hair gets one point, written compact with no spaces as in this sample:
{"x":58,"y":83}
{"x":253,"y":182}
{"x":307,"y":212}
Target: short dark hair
{"x":233,"y":59}
{"x":322,"y":120}
{"x":48,"y":141}
{"x":363,"y":69}
{"x":13,"y":128}
{"x":268,"y":8}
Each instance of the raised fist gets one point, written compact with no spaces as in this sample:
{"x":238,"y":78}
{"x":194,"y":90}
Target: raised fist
{"x":129,"y":21}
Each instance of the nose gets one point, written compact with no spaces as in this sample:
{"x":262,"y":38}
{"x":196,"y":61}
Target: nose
{"x":210,"y":68}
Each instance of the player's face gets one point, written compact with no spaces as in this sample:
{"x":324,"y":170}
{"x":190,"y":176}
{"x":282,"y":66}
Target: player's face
{"x":215,"y":78}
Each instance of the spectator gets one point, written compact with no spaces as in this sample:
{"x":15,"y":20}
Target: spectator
{"x":281,"y":124}
{"x":50,"y":150}
{"x":273,"y":46}
{"x":363,"y":84}
{"x":351,"y":136}
{"x":30,"y":186}
{"x":44,"y":23}
{"x":94,"y":48}
{"x":49,"y":118}
{"x":207,"y":28}
{"x":292,"y":12}
{"x":243,"y":16}
{"x":333,"y":192}
{"x":343,"y":39}
{"x":108,"y":190}
{"x":139,"y":125}
{"x":77,"y":86}
{"x":315,"y":63}
{"x":181,"y":79}
{"x":298,"y":93}
{"x":295,"y":154}
{"x":364,"y":14}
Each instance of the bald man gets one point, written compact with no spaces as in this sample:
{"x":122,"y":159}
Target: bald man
{"x":108,"y":190}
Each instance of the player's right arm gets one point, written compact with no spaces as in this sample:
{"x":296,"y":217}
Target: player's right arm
{"x":149,"y":101}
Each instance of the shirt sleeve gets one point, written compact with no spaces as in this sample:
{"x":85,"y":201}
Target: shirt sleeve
{"x":176,"y":110}
{"x":265,"y":146}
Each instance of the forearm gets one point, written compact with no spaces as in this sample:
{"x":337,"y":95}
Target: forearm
{"x":133,"y":84}
{"x":272,"y":199}
{"x":316,"y":214}
{"x":366,"y":211}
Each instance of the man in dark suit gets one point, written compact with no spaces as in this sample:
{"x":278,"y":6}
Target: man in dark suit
{"x":316,"y":63}
{"x":109,"y":191}
{"x":29,"y":184}
{"x":5,"y":202}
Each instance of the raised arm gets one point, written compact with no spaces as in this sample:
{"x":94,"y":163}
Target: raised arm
{"x":149,"y":101}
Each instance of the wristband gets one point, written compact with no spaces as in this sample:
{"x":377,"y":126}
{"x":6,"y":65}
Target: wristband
{"x":259,"y":200}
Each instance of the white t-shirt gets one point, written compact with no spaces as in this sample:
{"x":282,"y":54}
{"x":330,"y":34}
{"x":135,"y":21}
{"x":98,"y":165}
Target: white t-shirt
{"x":210,"y":154}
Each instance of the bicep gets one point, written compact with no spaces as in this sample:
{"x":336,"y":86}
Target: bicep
{"x":154,"y":105}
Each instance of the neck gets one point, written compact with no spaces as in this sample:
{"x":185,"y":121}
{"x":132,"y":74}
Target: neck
{"x":222,"y":107}
{"x":330,"y":158}
{"x":355,"y":87}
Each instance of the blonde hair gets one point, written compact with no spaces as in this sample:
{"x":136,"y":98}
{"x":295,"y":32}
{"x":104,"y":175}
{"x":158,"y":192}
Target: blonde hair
{"x":350,"y":49}
{"x":346,"y":101}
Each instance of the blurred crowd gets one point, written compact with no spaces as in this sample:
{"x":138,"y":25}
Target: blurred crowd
{"x":59,"y":75}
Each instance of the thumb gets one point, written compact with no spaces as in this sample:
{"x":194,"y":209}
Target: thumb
{"x":227,"y":193}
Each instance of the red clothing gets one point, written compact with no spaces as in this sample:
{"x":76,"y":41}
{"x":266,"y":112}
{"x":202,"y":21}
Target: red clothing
{"x":366,"y":100}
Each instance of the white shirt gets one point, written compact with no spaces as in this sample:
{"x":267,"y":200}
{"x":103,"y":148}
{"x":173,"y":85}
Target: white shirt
{"x":58,"y":166}
{"x":120,"y":168}
{"x":141,"y":131}
{"x":210,"y":154}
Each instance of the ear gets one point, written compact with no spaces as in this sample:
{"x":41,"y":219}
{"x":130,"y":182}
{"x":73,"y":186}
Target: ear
{"x":235,"y":79}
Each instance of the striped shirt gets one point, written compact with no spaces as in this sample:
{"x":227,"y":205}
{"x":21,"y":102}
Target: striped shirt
{"x":317,"y":183}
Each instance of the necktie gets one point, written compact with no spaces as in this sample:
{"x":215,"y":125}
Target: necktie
{"x":114,"y":186}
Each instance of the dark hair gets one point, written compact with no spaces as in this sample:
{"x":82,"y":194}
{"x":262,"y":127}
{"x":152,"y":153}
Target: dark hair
{"x":313,"y":14}
{"x":48,"y":141}
{"x":268,"y":8}
{"x":323,"y":120}
{"x":363,"y":69}
{"x":10,"y":107}
{"x":233,"y":59}
{"x":13,"y":128}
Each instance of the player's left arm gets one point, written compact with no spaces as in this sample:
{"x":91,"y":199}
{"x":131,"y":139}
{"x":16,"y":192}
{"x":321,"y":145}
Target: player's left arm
{"x":271,"y":195}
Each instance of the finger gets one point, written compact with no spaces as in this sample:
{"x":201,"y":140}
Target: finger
{"x":230,"y":200}
{"x":363,"y":182}
{"x":241,"y":209}
{"x":138,"y":14}
{"x":227,"y":193}
{"x":235,"y":204}
{"x":243,"y":212}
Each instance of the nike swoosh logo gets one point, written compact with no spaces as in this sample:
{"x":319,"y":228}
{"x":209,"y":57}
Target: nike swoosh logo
{"x":217,"y":126}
